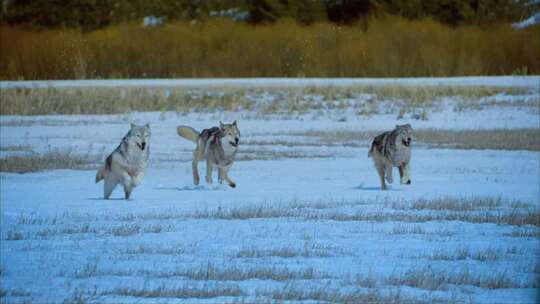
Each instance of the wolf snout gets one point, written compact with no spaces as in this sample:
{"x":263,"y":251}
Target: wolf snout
{"x":407,"y":141}
{"x":142,"y":145}
{"x":235,"y":142}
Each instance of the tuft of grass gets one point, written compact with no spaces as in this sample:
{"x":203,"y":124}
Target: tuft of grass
{"x":46,"y":161}
{"x":242,"y":273}
{"x":432,"y":279}
{"x":126,"y":230}
{"x":313,"y":250}
{"x":14,"y":235}
{"x":89,"y":269}
{"x":299,"y":293}
{"x":155,"y":249}
{"x":16,"y":148}
{"x":460,"y":253}
{"x":496,"y":139}
{"x":463,"y":253}
{"x":185,"y":291}
{"x":525,"y":232}
{"x":453,"y":204}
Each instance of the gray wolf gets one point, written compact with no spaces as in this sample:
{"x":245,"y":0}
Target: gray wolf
{"x":218,"y":145}
{"x":126,"y":164}
{"x":393,"y":149}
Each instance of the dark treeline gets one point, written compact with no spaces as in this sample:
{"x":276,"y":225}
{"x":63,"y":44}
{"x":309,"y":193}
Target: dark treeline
{"x":94,"y":14}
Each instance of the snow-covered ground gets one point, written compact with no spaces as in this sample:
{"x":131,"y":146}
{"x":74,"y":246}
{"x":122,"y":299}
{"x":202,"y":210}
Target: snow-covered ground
{"x":504,"y":81}
{"x":307,"y":221}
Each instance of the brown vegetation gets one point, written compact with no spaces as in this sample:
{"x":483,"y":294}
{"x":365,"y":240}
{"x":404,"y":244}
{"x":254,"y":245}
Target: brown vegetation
{"x":220,"y":48}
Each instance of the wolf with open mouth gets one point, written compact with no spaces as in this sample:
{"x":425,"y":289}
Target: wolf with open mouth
{"x":126,"y":164}
{"x":218,"y":145}
{"x":393,"y":149}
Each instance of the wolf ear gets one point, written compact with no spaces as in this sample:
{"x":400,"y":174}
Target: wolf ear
{"x":234,"y":123}
{"x":133,"y":125}
{"x":221,"y":126}
{"x":147,"y":126}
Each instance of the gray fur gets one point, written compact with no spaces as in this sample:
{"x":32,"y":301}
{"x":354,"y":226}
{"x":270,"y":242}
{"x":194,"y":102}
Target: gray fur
{"x":393,"y":149}
{"x":126,"y":164}
{"x":218,"y":146}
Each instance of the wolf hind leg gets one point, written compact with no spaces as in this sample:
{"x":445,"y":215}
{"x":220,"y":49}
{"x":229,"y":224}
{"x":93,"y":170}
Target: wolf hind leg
{"x":108,"y":186}
{"x":379,"y":166}
{"x":208,"y":172}
{"x":220,"y":175}
{"x":195,"y":167}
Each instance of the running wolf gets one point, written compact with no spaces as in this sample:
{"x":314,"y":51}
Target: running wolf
{"x":393,"y":149}
{"x":126,"y":164}
{"x":218,"y":145}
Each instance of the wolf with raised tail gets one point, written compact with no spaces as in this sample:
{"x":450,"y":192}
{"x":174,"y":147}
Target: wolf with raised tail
{"x":218,"y":145}
{"x":126,"y":164}
{"x":393,"y":149}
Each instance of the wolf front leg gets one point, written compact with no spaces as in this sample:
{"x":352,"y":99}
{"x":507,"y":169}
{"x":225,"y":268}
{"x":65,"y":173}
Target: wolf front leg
{"x":404,"y":172}
{"x":388,"y":171}
{"x":127,"y":182}
{"x":224,"y":172}
{"x":137,"y":179}
{"x":108,"y":186}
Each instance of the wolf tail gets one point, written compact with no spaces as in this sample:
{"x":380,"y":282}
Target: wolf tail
{"x":188,"y":133}
{"x":100,"y":174}
{"x":371,"y":149}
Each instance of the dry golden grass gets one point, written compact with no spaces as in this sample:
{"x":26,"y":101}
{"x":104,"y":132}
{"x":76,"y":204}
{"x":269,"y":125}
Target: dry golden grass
{"x":220,"y":48}
{"x":47,"y":161}
{"x":496,"y":139}
{"x":107,"y":100}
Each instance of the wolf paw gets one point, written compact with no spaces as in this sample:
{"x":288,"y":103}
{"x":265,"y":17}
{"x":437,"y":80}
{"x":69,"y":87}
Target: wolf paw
{"x":232,"y":185}
{"x":389,"y":179}
{"x":405,"y":182}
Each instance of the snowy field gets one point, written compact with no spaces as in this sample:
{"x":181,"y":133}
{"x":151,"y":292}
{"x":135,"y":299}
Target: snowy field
{"x":307,"y":221}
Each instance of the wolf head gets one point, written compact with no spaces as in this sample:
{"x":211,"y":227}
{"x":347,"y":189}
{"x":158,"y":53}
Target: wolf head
{"x":231,"y":132}
{"x":139,"y":136}
{"x":404,"y":134}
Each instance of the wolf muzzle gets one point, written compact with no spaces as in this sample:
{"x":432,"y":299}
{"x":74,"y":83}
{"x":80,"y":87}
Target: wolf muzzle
{"x":406,"y":142}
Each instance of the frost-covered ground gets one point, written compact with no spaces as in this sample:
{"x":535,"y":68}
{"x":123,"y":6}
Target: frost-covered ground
{"x":307,"y":221}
